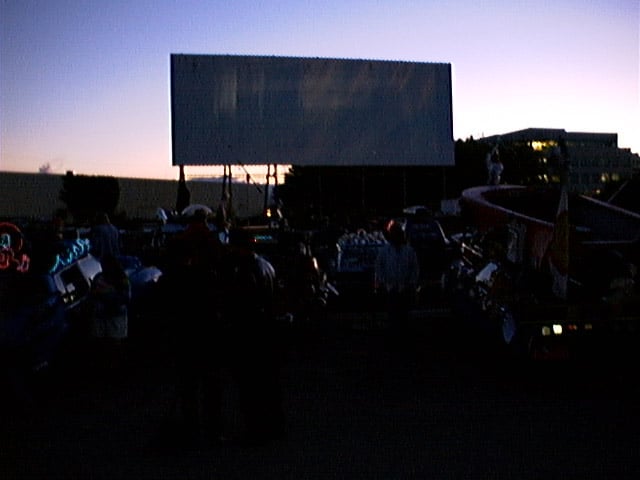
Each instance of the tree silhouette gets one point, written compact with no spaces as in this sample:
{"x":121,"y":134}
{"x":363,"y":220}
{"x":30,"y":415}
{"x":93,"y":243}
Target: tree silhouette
{"x":84,"y":196}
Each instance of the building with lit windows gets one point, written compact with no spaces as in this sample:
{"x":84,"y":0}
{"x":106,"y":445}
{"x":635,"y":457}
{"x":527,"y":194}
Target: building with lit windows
{"x":594,"y":158}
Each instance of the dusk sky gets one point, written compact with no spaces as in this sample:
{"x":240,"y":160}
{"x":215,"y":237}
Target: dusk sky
{"x":84,"y":85}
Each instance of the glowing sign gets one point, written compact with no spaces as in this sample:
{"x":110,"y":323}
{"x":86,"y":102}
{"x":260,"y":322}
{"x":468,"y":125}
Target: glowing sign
{"x":11,"y":246}
{"x":74,"y":249}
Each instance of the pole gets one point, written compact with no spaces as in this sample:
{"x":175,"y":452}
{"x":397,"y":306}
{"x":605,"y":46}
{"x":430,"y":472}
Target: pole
{"x":266,"y":190}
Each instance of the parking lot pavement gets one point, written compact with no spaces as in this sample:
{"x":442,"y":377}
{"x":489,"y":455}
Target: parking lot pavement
{"x":436,"y":403}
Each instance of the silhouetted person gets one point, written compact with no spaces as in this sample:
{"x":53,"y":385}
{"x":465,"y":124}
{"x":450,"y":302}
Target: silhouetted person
{"x":248,"y":283}
{"x":110,"y":295}
{"x":183,"y":198}
{"x":189,"y":280}
{"x":303,"y":281}
{"x":223,"y":218}
{"x":426,"y":236}
{"x":494,"y":167}
{"x":58,"y":223}
{"x":396,"y":276}
{"x":104,"y":237}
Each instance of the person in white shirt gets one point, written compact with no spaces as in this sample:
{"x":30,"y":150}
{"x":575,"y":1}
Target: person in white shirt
{"x":396,"y":275}
{"x":494,"y":167}
{"x":105,"y":237}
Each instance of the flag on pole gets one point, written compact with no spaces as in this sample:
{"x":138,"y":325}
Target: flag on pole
{"x":559,"y":247}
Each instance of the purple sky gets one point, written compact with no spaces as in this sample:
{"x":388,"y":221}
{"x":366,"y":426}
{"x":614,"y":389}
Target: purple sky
{"x":84,"y":85}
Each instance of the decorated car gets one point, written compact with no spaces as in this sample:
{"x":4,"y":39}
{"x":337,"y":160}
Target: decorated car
{"x":550,"y":275}
{"x":45,"y":282}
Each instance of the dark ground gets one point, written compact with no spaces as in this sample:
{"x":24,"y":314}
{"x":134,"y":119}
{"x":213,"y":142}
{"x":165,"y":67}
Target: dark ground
{"x":445,"y":405}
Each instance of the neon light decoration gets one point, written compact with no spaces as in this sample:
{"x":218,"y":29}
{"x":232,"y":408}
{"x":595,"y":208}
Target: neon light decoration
{"x":11,"y":245}
{"x":74,"y":249}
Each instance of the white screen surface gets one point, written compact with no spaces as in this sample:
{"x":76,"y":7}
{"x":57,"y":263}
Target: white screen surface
{"x":254,"y":110}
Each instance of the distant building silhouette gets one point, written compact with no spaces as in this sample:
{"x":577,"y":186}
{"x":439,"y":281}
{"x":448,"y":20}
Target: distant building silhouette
{"x":595,"y":159}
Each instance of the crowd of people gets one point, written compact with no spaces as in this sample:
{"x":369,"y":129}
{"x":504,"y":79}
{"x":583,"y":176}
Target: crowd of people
{"x":220,"y":298}
{"x":219,"y":302}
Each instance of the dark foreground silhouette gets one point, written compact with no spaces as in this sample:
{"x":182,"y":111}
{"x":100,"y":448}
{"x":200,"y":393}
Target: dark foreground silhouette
{"x":437,"y":404}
